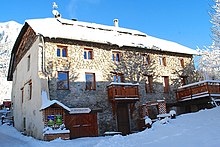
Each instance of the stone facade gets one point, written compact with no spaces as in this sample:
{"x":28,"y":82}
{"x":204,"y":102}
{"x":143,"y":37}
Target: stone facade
{"x":34,"y":69}
{"x":131,"y":65}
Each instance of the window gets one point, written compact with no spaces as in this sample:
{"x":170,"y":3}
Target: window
{"x":149,"y":84}
{"x":146,"y":59}
{"x":162,"y":61}
{"x":63,"y":80}
{"x":30,"y":89}
{"x":182,"y":63}
{"x":28,"y":63}
{"x":116,"y":56}
{"x":61,"y":51}
{"x":55,"y":121}
{"x":166,"y":84}
{"x":88,"y":54}
{"x":118,"y":77}
{"x":22,"y":94}
{"x":183,"y":80}
{"x":90,"y":81}
{"x":24,"y":123}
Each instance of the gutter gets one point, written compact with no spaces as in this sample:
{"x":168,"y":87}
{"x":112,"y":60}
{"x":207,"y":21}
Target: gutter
{"x":42,"y":45}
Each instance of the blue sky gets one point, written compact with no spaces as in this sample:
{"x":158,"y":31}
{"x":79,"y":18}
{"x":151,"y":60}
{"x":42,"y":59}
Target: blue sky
{"x":182,"y":21}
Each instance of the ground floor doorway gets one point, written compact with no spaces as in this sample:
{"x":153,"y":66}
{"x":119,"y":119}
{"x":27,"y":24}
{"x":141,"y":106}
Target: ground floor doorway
{"x":123,"y":119}
{"x":82,"y":125}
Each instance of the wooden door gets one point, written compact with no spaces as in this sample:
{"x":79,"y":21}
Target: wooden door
{"x":82,"y":125}
{"x":123,"y":119}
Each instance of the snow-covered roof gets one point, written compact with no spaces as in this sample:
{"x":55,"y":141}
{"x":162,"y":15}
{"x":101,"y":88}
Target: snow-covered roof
{"x":47,"y":103}
{"x":127,"y":98}
{"x":55,"y":131}
{"x":50,"y":103}
{"x":92,"y":32}
{"x":124,"y":84}
{"x":200,"y":82}
{"x":192,"y":129}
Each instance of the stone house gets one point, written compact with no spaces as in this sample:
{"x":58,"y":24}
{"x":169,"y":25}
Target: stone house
{"x":92,"y":78}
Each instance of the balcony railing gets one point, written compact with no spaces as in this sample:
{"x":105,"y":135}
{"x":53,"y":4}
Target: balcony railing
{"x":207,"y":88}
{"x":123,"y":92}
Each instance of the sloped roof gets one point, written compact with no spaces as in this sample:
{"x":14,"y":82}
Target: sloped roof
{"x":84,"y":31}
{"x":47,"y":103}
{"x":50,"y":103}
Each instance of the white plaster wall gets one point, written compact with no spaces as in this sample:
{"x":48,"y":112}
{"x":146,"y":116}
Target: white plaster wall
{"x":30,"y":108}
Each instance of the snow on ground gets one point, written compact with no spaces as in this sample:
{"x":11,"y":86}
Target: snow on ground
{"x":189,"y":130}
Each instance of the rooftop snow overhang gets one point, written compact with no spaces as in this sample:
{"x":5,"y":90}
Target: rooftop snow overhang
{"x":199,"y":83}
{"x":123,"y":84}
{"x":84,"y":31}
{"x":50,"y":103}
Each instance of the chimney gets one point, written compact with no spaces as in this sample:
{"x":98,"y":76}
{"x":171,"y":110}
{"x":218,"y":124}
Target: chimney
{"x":115,"y":22}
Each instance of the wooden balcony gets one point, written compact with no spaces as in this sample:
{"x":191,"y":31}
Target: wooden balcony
{"x":207,"y":88}
{"x":123,"y":92}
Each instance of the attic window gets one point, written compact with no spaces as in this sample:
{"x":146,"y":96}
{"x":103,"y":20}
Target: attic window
{"x":67,"y":24}
{"x":116,"y":56}
{"x":142,"y":35}
{"x":146,"y":59}
{"x":61,"y":51}
{"x":125,"y":32}
{"x":81,"y":25}
{"x":162,"y":61}
{"x":88,"y":54}
{"x":182,"y":63}
{"x":104,"y":29}
{"x":90,"y":27}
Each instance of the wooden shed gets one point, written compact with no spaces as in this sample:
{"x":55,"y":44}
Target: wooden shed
{"x":54,"y":119}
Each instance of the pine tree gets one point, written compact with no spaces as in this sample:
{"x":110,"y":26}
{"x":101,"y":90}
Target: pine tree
{"x":209,"y":63}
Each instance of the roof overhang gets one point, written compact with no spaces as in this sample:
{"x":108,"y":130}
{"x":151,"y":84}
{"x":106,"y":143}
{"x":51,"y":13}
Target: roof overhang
{"x":14,"y":50}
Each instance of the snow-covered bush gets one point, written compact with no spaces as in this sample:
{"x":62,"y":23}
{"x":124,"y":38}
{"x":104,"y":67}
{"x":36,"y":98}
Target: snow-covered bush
{"x":47,"y":129}
{"x":148,"y":122}
{"x":172,"y":114}
{"x":165,"y":120}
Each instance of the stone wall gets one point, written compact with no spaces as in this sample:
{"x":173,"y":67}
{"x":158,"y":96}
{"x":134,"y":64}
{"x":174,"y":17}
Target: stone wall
{"x":131,"y":65}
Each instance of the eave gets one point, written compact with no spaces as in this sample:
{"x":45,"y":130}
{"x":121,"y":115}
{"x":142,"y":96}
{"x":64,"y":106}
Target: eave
{"x":12,"y":65}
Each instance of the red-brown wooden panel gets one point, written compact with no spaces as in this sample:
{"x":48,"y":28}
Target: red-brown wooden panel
{"x":123,"y":119}
{"x":198,"y":90}
{"x":82,"y":125}
{"x":122,"y":91}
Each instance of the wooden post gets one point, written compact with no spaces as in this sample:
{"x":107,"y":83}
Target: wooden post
{"x":3,"y":120}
